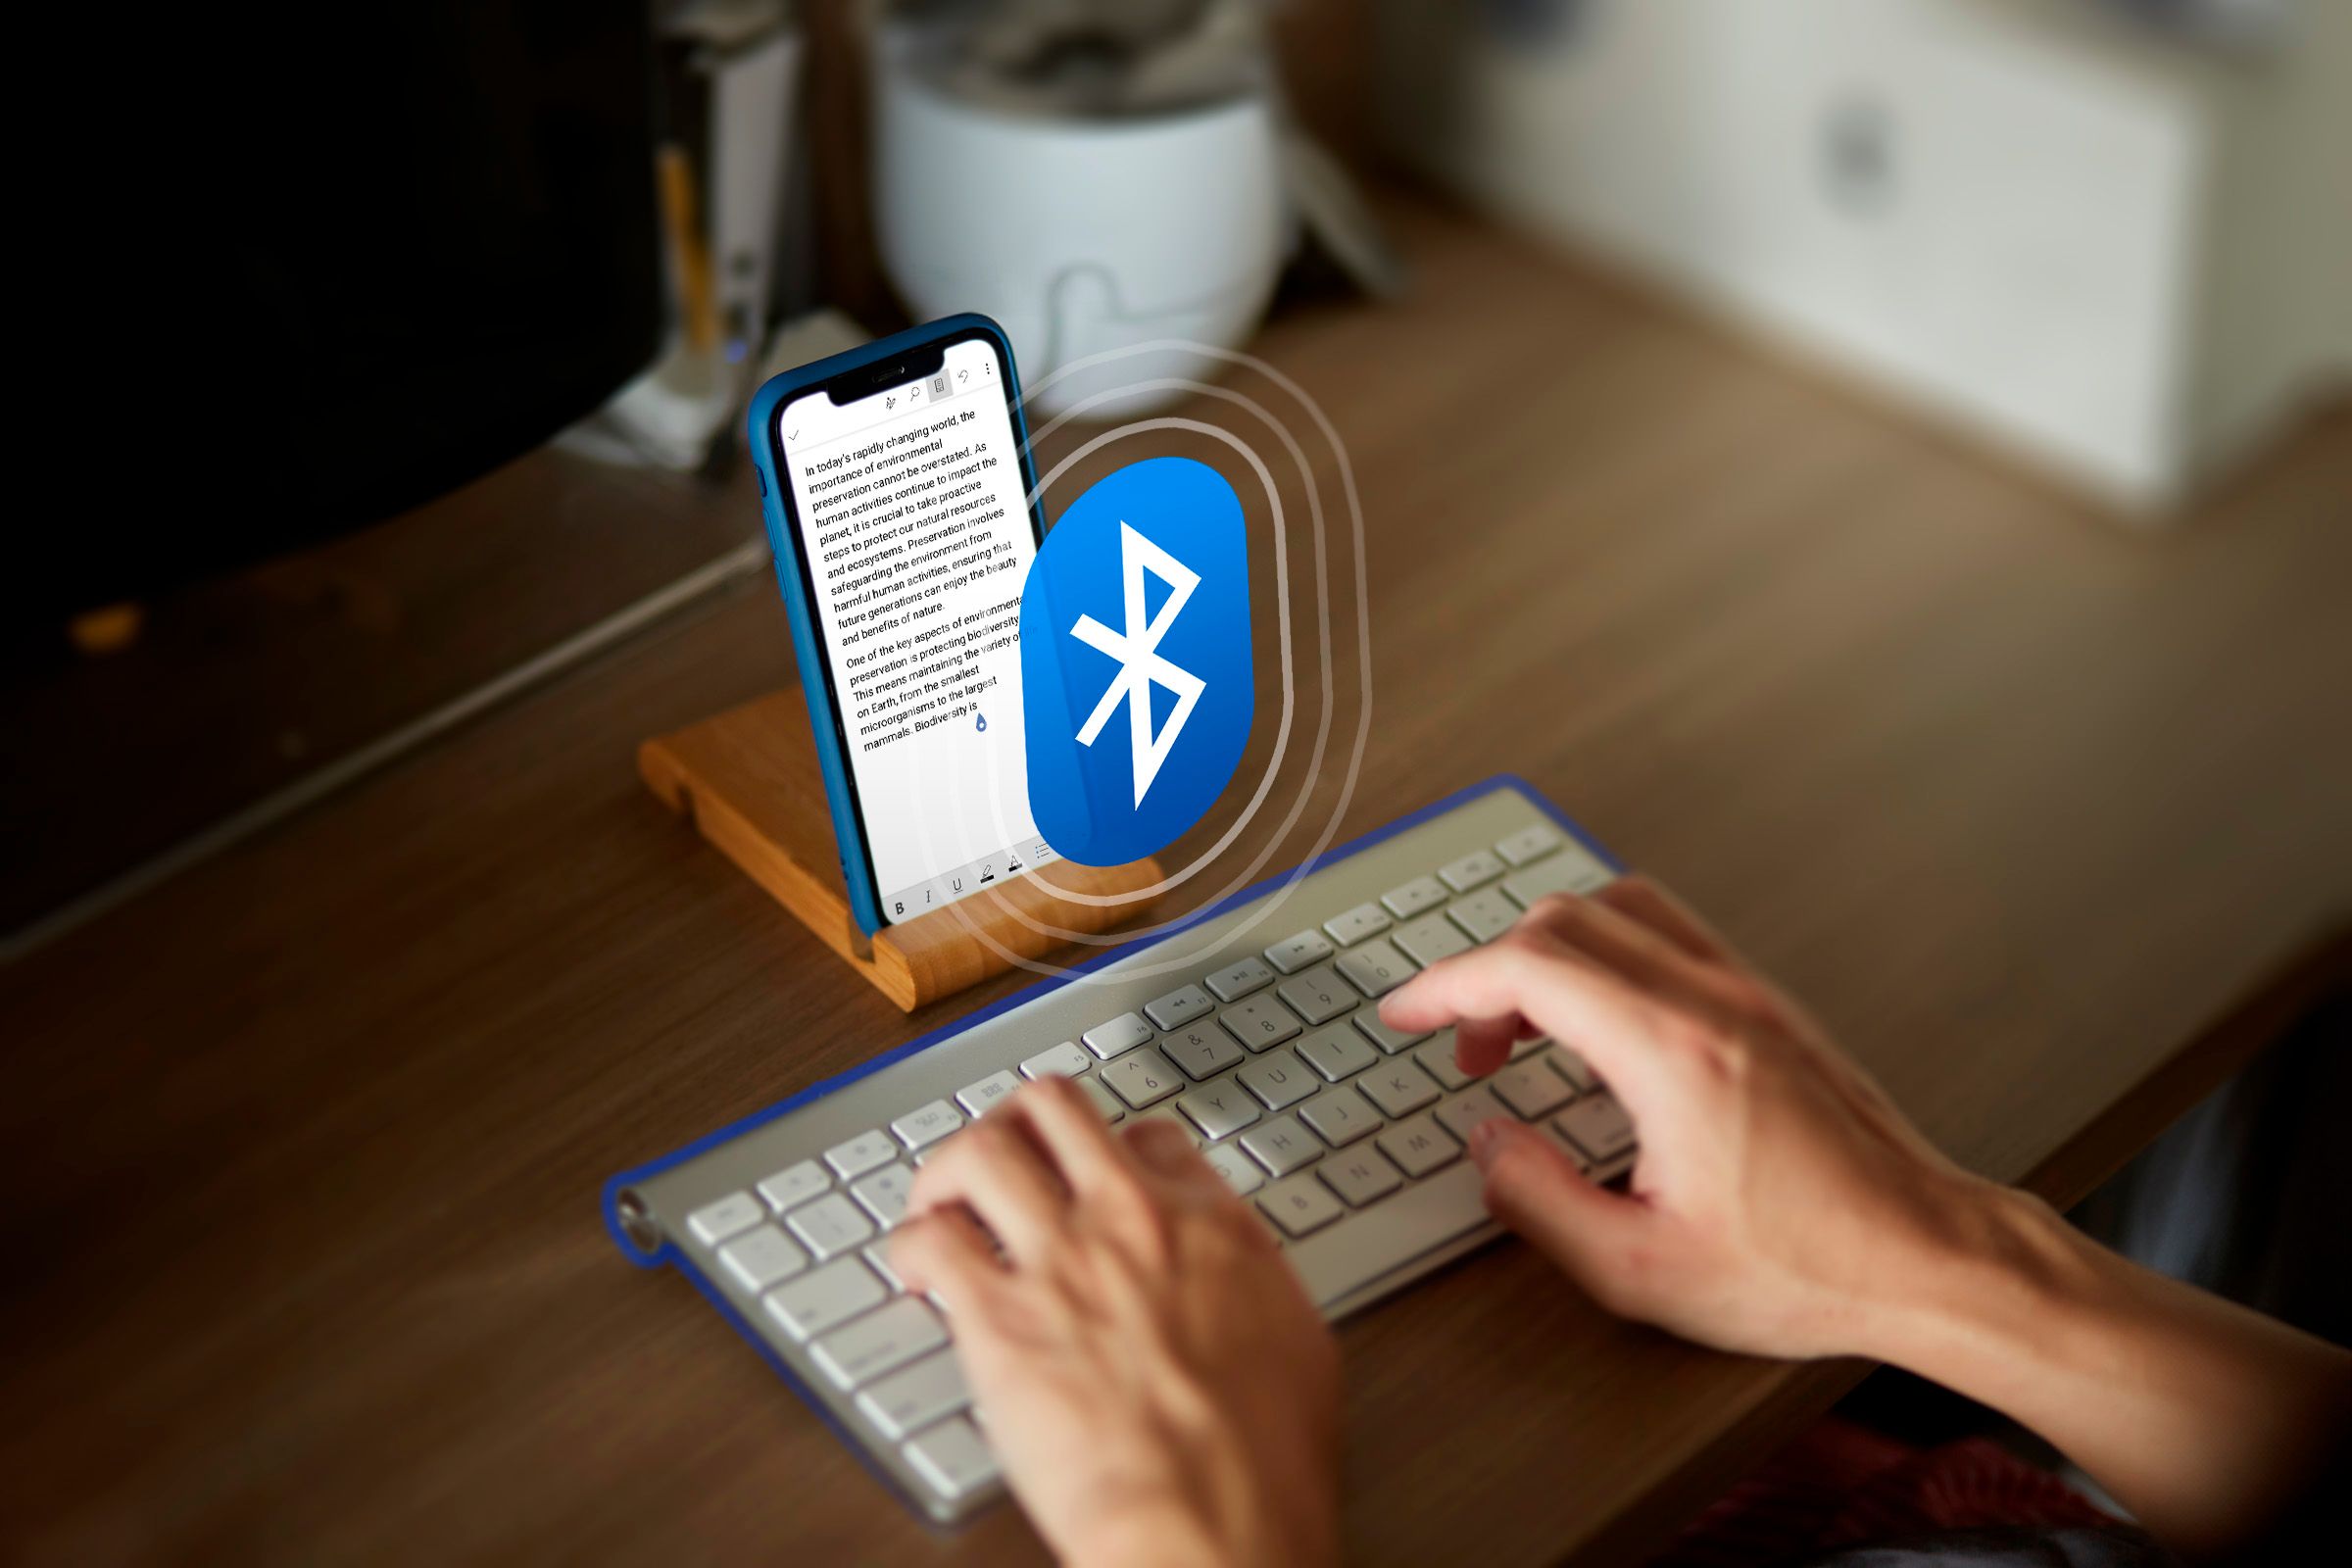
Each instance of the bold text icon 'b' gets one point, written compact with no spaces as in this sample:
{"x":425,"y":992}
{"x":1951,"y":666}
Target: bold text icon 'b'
{"x":1136,"y":681}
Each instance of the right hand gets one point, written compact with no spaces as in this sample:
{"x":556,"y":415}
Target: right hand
{"x":1779,"y":1200}
{"x":1155,"y":1379}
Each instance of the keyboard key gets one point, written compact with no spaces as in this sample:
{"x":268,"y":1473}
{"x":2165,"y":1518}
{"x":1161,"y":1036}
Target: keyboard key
{"x":952,"y":1458}
{"x":1437,"y":1058}
{"x":1316,"y":996}
{"x":1339,"y":1116}
{"x":830,"y":1226}
{"x":1565,"y":873}
{"x":1239,"y":979}
{"x":1336,"y":1052}
{"x":1180,"y":1007}
{"x":1145,"y":1078}
{"x":1260,"y":1023}
{"x":1169,"y":1114}
{"x":1425,"y":1215}
{"x":1531,"y":1089}
{"x":1471,"y":871}
{"x":761,"y":1257}
{"x":878,"y":1259}
{"x":795,"y":1183}
{"x":1531,"y":843}
{"x":1241,"y":1173}
{"x":909,"y":1400}
{"x":1364,"y":920}
{"x":1521,"y":1050}
{"x":1574,"y":1068}
{"x":1398,"y":1087}
{"x":1106,"y":1105}
{"x":1122,"y":1034}
{"x":1390,"y":1041}
{"x":819,"y":1302}
{"x":1282,"y":1146}
{"x":1202,"y":1049}
{"x":927,"y":1125}
{"x":1362,"y":1178}
{"x":884,"y":1194}
{"x":1468,"y":1108}
{"x":1278,"y":1080}
{"x":860,"y":1154}
{"x":1420,"y":1146}
{"x":1376,"y":968}
{"x":1485,"y":915}
{"x":730,"y":1215}
{"x":990,"y":1091}
{"x":880,"y":1342}
{"x":1293,"y":954}
{"x":1597,"y":1125}
{"x":1301,"y":1206}
{"x":1219,"y":1109}
{"x":1065,"y":1060}
{"x":1417,"y":897}
{"x":1432,"y":937}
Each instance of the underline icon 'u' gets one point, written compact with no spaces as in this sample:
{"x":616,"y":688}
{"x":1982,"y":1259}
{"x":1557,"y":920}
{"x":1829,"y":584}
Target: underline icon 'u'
{"x":1141,"y":664}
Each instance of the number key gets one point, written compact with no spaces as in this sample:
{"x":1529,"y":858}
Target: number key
{"x":1202,"y":1049}
{"x":1376,"y":968}
{"x":1316,"y":996}
{"x":1260,"y":1023}
{"x":1144,"y":1078}
{"x":1485,"y":915}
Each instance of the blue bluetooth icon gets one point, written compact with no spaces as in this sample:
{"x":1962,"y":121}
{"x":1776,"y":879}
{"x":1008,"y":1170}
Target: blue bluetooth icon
{"x":1136,"y":679}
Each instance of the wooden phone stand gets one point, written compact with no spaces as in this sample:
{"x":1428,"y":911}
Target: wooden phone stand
{"x":749,"y":781}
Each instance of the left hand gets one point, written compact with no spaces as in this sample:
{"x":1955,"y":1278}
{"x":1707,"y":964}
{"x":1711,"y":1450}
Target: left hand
{"x":1153,"y":1379}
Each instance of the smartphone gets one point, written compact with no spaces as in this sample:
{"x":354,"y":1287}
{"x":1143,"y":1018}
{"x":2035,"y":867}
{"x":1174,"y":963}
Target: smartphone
{"x":896,"y":486}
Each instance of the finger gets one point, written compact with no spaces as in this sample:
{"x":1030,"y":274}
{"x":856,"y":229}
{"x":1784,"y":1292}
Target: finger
{"x":1623,"y":945}
{"x":946,"y":1253}
{"x":1536,"y":1190}
{"x":1481,"y":1046}
{"x":1611,"y":1023}
{"x":997,"y":1170}
{"x":1649,"y":957}
{"x":1639,"y":899}
{"x":1072,"y":1132}
{"x":1167,"y":1151}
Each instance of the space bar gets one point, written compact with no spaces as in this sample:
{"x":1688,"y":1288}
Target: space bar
{"x":1391,"y":1235}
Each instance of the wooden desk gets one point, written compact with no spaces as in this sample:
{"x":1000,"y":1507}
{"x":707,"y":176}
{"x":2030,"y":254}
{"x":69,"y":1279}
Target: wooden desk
{"x":307,"y":1143}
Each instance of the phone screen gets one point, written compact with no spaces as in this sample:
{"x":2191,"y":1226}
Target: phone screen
{"x":916,"y":535}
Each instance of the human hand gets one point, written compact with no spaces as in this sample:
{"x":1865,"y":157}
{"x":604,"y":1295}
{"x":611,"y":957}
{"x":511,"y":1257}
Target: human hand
{"x":1779,"y":1202}
{"x":1155,"y":1382}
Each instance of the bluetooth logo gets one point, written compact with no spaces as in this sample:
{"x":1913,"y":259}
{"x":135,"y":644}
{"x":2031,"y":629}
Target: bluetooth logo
{"x":1140,"y":659}
{"x":1178,"y":663}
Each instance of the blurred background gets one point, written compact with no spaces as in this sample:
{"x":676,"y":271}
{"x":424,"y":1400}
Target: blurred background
{"x":498,"y":291}
{"x":1841,"y":445}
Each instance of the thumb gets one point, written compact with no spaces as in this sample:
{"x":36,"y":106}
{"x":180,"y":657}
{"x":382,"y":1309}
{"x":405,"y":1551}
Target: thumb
{"x":1534,"y":1188}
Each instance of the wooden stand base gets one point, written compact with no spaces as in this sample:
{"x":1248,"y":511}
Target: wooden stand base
{"x":749,"y":781}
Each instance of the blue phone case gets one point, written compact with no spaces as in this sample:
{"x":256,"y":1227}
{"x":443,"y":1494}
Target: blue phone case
{"x":864,"y":903}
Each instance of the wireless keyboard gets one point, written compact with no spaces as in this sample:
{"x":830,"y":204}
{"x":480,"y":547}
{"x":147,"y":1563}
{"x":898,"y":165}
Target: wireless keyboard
{"x":1251,"y":1027}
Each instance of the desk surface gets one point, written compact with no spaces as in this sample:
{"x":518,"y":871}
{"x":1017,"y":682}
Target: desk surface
{"x":308,"y":1140}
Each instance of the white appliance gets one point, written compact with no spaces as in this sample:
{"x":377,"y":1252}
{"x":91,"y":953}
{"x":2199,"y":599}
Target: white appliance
{"x":1081,"y":235}
{"x":2122,"y":255}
